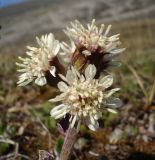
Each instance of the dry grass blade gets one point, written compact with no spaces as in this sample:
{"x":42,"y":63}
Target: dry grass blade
{"x":7,"y":141}
{"x":139,"y":81}
{"x":152,"y":93}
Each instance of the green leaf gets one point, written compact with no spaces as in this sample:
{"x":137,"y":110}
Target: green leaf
{"x":35,"y":113}
{"x":2,"y":129}
{"x":4,"y":147}
{"x":51,"y":124}
{"x":58,"y":145}
{"x":46,"y":107}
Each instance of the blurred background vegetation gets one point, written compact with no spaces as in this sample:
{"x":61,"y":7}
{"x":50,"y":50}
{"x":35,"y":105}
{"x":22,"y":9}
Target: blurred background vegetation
{"x":25,"y":123}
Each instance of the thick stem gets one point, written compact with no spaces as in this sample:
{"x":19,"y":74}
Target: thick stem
{"x":69,"y":141}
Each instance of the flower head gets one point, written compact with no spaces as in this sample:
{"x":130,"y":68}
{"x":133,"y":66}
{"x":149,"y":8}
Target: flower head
{"x":84,"y":97}
{"x":91,"y":45}
{"x":67,"y":51}
{"x":39,"y":61}
{"x":93,"y":38}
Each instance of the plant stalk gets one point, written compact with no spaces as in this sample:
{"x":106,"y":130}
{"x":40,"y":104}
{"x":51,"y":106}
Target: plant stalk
{"x":68,"y":145}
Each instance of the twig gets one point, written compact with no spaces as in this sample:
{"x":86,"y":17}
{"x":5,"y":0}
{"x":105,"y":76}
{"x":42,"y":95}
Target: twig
{"x":16,"y":150}
{"x":7,"y":141}
{"x":15,"y":154}
{"x":11,"y":155}
{"x":24,"y":156}
{"x":6,"y":156}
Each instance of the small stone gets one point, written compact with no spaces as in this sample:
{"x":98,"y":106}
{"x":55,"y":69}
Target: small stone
{"x":80,"y":144}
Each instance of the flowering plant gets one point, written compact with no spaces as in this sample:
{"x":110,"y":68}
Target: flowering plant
{"x":78,"y":70}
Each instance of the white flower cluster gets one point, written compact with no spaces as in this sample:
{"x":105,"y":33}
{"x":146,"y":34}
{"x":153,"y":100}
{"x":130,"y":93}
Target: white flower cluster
{"x":92,"y":39}
{"x":84,"y":97}
{"x":84,"y":91}
{"x":34,"y":67}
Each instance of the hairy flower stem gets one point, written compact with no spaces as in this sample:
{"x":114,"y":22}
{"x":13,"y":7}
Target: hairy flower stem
{"x":69,"y":141}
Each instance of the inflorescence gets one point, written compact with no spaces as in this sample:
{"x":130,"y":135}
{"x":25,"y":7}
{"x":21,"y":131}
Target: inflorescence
{"x":78,"y":68}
